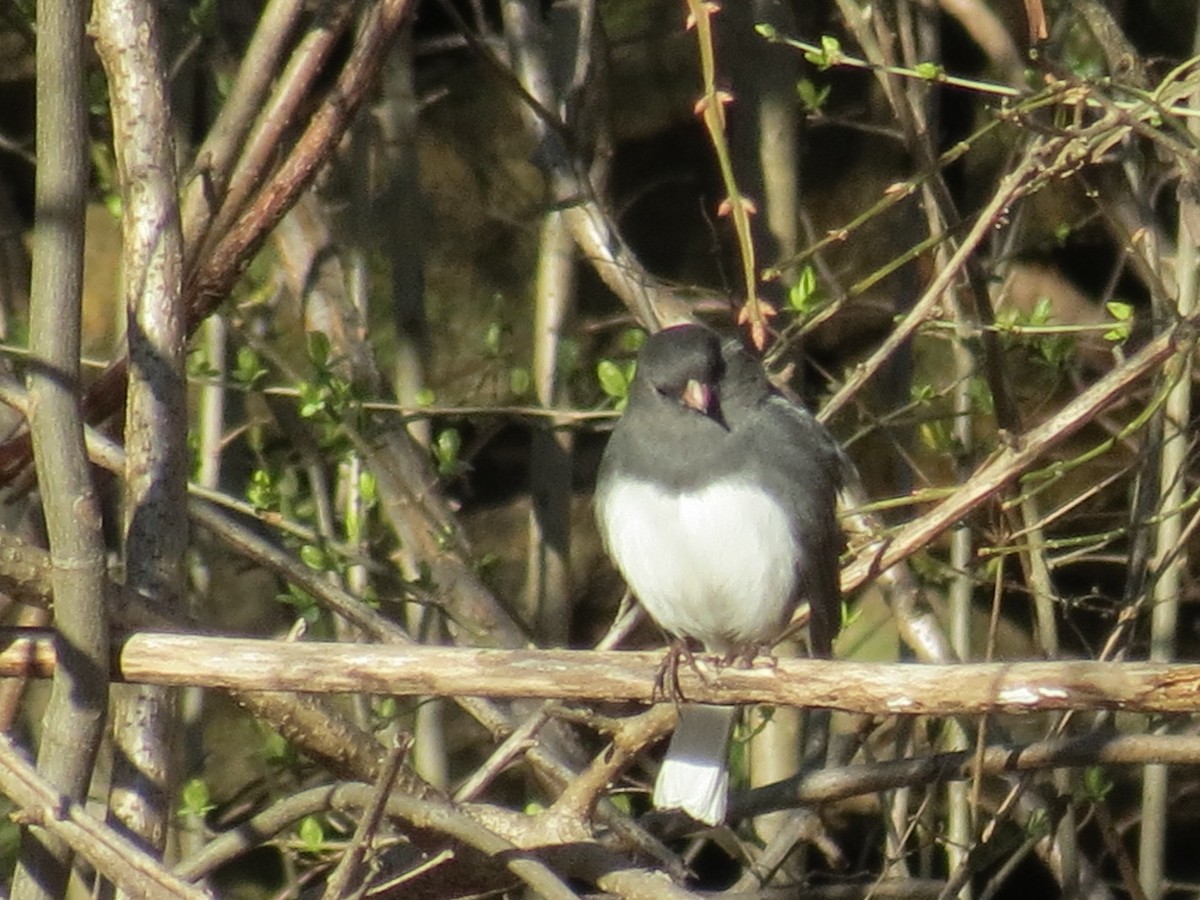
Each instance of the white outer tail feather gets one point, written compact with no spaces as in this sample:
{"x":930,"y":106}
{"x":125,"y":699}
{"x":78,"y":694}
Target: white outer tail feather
{"x":694,"y":775}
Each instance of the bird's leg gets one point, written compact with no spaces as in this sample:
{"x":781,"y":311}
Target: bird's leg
{"x":666,"y":682}
{"x":751,"y":655}
{"x":741,"y":657}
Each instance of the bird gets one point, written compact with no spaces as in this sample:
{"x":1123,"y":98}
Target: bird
{"x":716,"y":498}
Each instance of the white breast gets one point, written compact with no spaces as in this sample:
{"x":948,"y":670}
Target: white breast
{"x":717,"y":564}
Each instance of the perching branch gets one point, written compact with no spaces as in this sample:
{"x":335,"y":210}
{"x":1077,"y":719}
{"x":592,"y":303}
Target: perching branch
{"x":867,"y":688}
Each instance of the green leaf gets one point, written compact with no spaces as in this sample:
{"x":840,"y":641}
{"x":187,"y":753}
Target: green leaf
{"x":302,"y":602}
{"x":922,"y":392}
{"x":1037,"y":826}
{"x":1042,"y":311}
{"x":519,"y":381}
{"x":812,"y":97}
{"x":263,"y":492}
{"x":929,"y":70}
{"x":368,"y":488}
{"x":936,"y":435}
{"x":829,"y":55}
{"x":1122,"y":314}
{"x":1096,"y":784}
{"x":446,"y":447}
{"x":312,"y":834}
{"x":613,"y":380}
{"x":804,"y":296}
{"x":314,"y":399}
{"x":249,"y":368}
{"x":632,"y":340}
{"x":315,"y":558}
{"x":195,"y":798}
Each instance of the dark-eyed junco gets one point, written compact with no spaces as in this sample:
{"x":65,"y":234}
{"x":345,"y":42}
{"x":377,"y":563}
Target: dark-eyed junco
{"x":716,"y":498}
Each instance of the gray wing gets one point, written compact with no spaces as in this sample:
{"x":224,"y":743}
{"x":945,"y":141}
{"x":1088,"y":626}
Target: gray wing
{"x":807,"y":468}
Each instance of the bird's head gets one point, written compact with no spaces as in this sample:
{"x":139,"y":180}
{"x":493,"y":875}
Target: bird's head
{"x":683,"y":365}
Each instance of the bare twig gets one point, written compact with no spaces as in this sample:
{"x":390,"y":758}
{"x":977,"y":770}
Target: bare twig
{"x":440,"y":818}
{"x":349,"y":868}
{"x":129,"y":867}
{"x":74,"y":718}
{"x":1170,"y":564}
{"x":1012,"y":461}
{"x":831,"y":785}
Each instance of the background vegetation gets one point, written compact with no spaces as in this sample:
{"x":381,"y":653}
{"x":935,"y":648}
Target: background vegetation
{"x":316,"y":313}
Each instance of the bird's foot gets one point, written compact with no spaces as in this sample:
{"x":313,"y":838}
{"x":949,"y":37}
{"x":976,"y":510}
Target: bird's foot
{"x":666,"y":682}
{"x":751,"y":656}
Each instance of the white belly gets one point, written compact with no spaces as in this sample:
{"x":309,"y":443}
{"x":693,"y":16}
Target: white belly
{"x":717,"y":564}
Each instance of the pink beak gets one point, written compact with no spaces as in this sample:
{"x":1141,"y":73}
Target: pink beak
{"x":698,"y":396}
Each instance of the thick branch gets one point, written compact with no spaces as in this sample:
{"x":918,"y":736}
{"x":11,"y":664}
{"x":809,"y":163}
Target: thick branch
{"x":869,"y":688}
{"x":127,"y":40}
{"x":75,"y":715}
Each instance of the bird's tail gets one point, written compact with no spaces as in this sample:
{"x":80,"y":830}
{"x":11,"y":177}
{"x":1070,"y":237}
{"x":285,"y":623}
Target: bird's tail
{"x":694,"y":775}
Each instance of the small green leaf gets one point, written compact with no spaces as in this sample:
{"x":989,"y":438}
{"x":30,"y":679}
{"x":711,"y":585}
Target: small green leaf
{"x":519,"y":381}
{"x":426,"y":397}
{"x":613,"y":380}
{"x":1119,"y":310}
{"x":767,"y":30}
{"x":1122,"y":314}
{"x":303,"y":603}
{"x":929,"y":71}
{"x":621,"y":801}
{"x":1096,"y":784}
{"x":314,"y":399}
{"x":829,"y":55}
{"x":1037,"y":826}
{"x":1042,"y":310}
{"x":632,"y":340}
{"x":368,"y":488}
{"x":812,"y":97}
{"x":195,"y":797}
{"x":314,"y":557}
{"x":312,"y":834}
{"x":935,"y":434}
{"x":446,"y":447}
{"x":249,"y":368}
{"x":804,"y":296}
{"x":263,"y":492}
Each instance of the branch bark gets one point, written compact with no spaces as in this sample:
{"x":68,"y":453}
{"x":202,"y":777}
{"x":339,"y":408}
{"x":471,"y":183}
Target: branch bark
{"x":156,"y":534}
{"x":75,"y":715}
{"x":866,"y":688}
{"x":120,"y":860}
